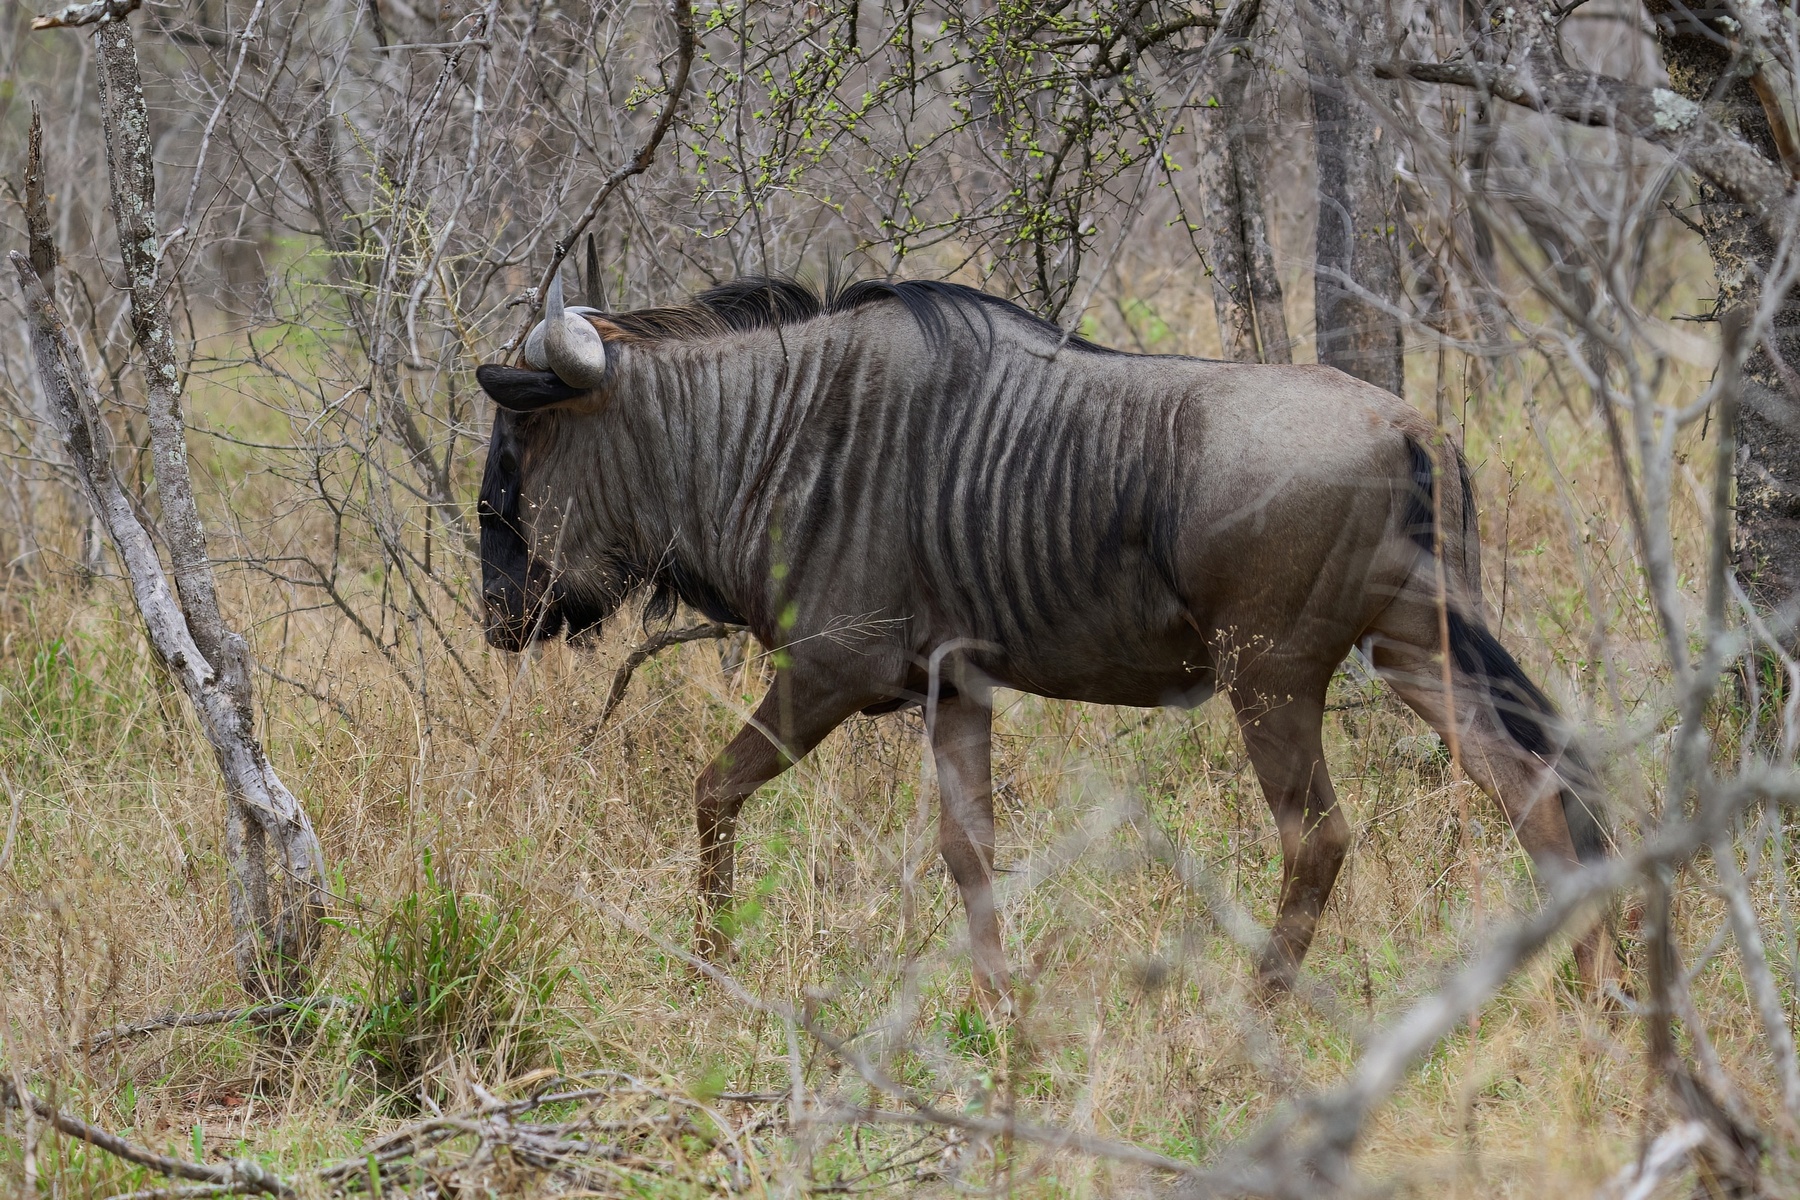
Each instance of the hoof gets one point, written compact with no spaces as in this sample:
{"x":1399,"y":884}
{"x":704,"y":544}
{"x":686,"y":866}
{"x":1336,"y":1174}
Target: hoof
{"x":1275,"y":978}
{"x":714,"y":946}
{"x":991,"y":998}
{"x":1598,"y":968}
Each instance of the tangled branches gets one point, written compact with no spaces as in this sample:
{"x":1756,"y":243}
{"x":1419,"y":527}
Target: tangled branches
{"x":585,"y":1131}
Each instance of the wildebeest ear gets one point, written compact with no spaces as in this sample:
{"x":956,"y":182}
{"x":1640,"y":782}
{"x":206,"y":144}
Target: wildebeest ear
{"x":518,"y":390}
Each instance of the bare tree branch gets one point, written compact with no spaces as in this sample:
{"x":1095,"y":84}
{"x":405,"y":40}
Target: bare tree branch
{"x":653,"y":645}
{"x":1655,"y":115}
{"x":243,"y":1174}
{"x":221,"y":1016}
{"x":86,"y":14}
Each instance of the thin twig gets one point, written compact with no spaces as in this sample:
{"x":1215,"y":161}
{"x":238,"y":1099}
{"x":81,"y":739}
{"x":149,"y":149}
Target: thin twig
{"x":682,"y":11}
{"x":310,"y":692}
{"x":652,"y":646}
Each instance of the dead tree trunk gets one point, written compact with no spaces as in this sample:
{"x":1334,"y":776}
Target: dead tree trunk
{"x":43,"y":260}
{"x":1356,"y":280}
{"x":1246,"y":289}
{"x":276,"y":865}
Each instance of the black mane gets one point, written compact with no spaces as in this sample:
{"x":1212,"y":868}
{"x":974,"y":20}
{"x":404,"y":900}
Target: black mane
{"x":768,"y":301}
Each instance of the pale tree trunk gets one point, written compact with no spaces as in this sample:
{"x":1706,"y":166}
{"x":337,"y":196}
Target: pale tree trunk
{"x":43,"y":261}
{"x":1356,"y":280}
{"x":1246,"y":289}
{"x":275,"y":861}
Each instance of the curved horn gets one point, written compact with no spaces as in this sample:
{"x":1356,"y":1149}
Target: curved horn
{"x":571,"y":345}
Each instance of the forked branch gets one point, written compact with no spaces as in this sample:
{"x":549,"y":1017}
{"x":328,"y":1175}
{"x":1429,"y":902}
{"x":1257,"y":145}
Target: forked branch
{"x":650,"y":648}
{"x":288,"y":915}
{"x":276,"y":865}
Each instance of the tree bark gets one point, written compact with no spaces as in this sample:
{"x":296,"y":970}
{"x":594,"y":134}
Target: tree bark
{"x":1742,"y":244}
{"x":1246,"y":290}
{"x":37,"y":204}
{"x":1722,"y":116}
{"x":43,"y":260}
{"x":275,"y":862}
{"x":1356,"y":281}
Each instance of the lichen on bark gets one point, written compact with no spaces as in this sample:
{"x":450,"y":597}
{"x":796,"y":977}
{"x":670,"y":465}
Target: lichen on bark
{"x":1742,"y":249}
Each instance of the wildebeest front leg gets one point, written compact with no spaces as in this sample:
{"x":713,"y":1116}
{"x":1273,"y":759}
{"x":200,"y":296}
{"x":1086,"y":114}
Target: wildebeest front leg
{"x":789,"y":722}
{"x":1284,"y":737}
{"x":961,"y":741}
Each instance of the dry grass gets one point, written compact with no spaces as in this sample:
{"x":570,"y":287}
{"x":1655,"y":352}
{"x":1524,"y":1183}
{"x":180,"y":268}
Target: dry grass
{"x":1138,"y":1021}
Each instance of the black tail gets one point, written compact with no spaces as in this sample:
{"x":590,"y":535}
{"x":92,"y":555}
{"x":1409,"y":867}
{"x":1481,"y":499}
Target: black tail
{"x":1528,"y":715}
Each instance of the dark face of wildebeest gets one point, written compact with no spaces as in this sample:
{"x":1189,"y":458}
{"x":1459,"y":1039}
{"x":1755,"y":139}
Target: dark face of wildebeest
{"x":523,"y":598}
{"x":515,"y":589}
{"x":520,"y":592}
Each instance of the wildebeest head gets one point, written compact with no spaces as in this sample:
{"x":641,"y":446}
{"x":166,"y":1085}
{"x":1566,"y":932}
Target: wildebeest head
{"x":528,"y":593}
{"x":565,"y":358}
{"x":514,"y":587}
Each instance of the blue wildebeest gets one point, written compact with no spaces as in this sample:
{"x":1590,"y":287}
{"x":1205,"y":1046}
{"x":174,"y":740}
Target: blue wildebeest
{"x":914,"y":492}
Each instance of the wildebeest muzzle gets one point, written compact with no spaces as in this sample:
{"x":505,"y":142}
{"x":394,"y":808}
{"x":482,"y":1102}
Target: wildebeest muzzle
{"x":564,"y":356}
{"x":519,"y":598}
{"x":518,"y":592}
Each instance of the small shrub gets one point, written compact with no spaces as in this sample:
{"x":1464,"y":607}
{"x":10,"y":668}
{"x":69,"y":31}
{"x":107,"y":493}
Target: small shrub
{"x":970,"y":1033}
{"x":448,"y":976}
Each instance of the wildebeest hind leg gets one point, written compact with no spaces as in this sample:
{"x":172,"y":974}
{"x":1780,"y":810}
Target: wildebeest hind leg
{"x":1527,"y":791}
{"x":1283,"y":733}
{"x":789,"y":722}
{"x":961,"y":741}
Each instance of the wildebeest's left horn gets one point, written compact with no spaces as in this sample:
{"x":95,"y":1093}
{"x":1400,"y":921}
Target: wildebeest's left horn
{"x":567,"y":343}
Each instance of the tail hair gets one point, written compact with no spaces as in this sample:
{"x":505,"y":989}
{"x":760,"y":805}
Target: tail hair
{"x":1529,"y":716}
